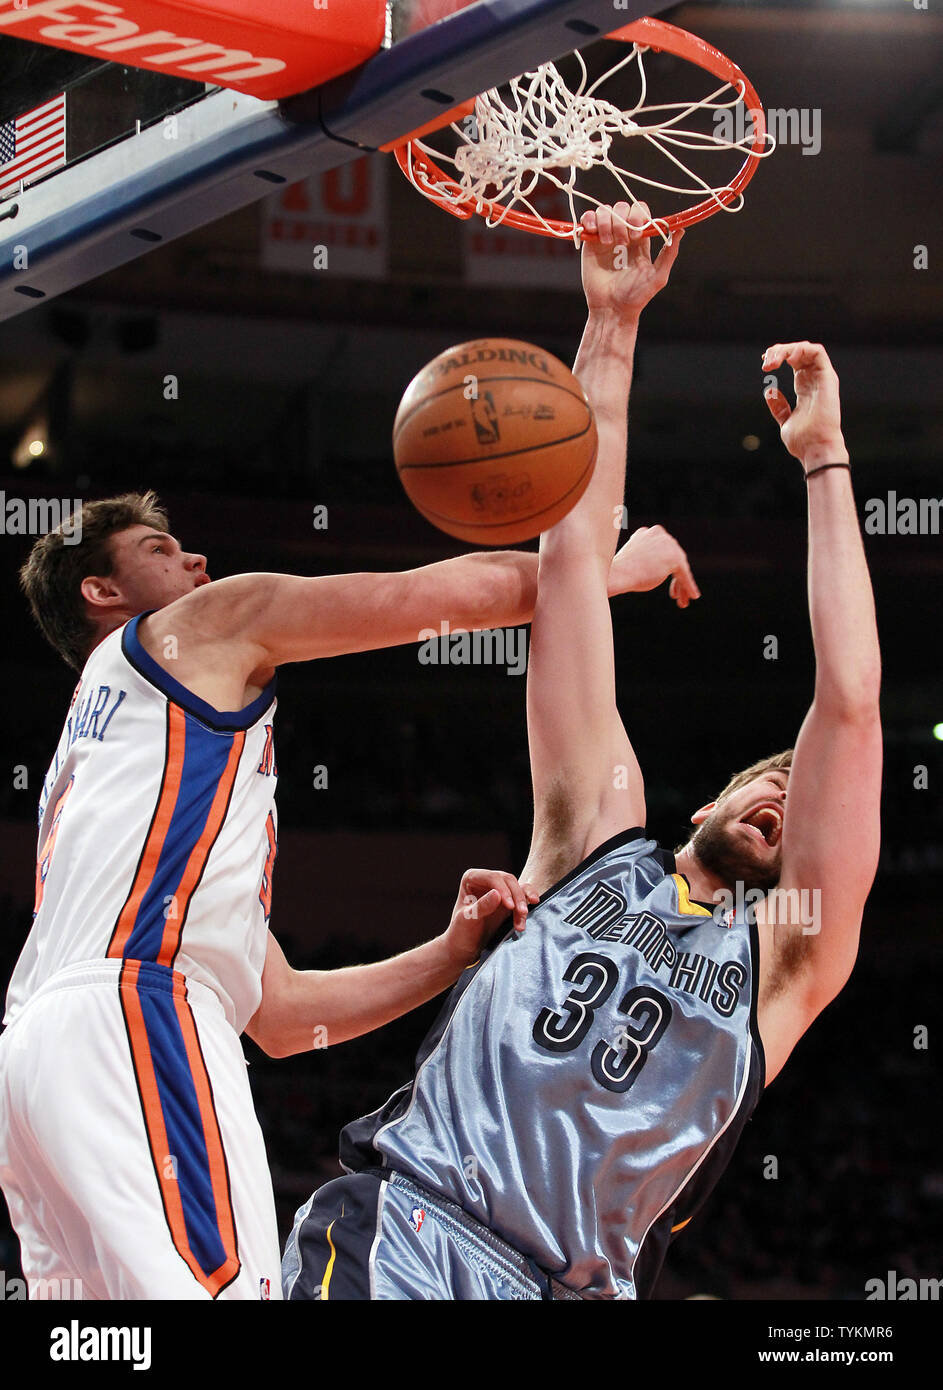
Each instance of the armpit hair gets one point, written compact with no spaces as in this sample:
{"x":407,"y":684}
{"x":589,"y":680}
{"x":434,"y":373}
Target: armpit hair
{"x":555,"y":837}
{"x":791,"y":951}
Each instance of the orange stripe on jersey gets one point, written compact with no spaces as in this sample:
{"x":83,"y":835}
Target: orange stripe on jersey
{"x":154,"y":1117}
{"x":157,"y":834}
{"x":45,"y":854}
{"x":219,"y":1169}
{"x":193,"y":872}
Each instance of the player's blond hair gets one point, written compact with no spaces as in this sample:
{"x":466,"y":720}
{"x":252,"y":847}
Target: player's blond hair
{"x":52,"y":576}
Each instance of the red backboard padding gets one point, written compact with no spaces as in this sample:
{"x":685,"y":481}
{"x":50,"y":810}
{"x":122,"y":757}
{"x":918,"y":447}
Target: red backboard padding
{"x":266,"y":48}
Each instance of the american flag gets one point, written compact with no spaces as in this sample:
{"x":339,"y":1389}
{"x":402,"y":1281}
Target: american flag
{"x":32,"y":145}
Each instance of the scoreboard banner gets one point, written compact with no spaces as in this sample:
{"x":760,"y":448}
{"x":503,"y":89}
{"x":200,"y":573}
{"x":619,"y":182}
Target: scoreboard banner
{"x":505,"y":256}
{"x":337,"y":221}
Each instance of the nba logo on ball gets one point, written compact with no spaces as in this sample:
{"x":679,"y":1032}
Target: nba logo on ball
{"x":416,"y":1217}
{"x":486,"y":419}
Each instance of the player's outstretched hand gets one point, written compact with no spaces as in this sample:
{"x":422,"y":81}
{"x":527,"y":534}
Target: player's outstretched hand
{"x":619,"y":274}
{"x":646,"y":560}
{"x":485,"y":897}
{"x":811,"y":429}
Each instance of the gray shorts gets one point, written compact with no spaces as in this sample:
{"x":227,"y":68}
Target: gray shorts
{"x":379,"y":1235}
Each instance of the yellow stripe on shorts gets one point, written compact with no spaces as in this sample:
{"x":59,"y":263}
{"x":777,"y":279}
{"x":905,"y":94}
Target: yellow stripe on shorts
{"x":326,"y":1283}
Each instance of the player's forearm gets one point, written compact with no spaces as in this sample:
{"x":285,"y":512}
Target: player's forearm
{"x":324,"y":1007}
{"x":499,"y":588}
{"x":604,"y":369}
{"x":282,"y":618}
{"x":481,"y":590}
{"x":841,"y":603}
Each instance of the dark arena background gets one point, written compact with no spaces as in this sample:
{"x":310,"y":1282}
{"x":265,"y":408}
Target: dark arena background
{"x":255,"y":391}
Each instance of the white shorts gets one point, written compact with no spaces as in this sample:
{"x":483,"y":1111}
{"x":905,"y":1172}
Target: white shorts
{"x":130,"y":1155}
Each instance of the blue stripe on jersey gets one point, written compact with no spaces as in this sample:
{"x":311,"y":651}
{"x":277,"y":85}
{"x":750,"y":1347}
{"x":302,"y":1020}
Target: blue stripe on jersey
{"x":204,"y":761}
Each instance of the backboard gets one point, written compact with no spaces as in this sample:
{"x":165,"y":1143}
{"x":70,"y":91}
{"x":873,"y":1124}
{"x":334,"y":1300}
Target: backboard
{"x":148,"y":157}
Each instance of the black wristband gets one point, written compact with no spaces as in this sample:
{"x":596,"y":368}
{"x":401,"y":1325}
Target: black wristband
{"x":821,"y":469}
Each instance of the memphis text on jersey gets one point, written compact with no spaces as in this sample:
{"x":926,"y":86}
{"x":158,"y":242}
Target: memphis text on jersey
{"x":603,"y":915}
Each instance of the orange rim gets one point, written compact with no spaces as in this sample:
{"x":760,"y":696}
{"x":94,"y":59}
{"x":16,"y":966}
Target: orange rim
{"x":647,"y":33}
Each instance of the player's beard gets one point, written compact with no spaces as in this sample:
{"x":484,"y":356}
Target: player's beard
{"x":724,"y":853}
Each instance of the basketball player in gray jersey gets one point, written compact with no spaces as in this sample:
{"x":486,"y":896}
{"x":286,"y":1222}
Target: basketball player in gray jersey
{"x":587,"y":1081}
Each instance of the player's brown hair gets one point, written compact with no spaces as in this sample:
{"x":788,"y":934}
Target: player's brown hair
{"x":53,"y":574}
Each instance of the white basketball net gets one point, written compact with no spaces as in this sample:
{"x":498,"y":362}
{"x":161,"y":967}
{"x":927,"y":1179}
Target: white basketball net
{"x":506,"y":148}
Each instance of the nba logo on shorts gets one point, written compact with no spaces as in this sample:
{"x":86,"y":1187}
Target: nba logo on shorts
{"x":265,"y":1290}
{"x":416,"y":1217}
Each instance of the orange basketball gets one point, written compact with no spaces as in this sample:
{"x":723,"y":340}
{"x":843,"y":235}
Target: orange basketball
{"x":494,"y":441}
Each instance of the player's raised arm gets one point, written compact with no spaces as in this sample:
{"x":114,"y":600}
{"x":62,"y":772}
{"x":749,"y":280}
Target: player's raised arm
{"x":831,"y":830}
{"x":587,"y":783}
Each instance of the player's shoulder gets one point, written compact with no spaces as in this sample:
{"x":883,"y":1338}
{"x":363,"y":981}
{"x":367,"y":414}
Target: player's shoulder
{"x":211,"y":611}
{"x":193,"y":675}
{"x":635,"y":844}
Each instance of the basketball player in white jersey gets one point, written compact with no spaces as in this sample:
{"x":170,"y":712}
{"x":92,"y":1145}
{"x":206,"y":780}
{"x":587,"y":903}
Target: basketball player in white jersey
{"x":130,"y":1155}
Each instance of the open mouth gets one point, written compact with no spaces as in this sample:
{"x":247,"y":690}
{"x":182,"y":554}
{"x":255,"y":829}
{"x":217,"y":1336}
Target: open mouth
{"x":766,"y":822}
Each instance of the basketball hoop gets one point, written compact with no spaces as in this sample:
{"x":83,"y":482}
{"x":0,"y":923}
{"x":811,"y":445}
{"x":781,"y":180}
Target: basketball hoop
{"x":544,"y":126}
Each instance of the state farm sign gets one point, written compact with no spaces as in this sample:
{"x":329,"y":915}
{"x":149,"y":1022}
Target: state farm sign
{"x":235,"y":43}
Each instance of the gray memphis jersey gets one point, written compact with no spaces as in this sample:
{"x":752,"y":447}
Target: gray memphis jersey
{"x":587,"y":1081}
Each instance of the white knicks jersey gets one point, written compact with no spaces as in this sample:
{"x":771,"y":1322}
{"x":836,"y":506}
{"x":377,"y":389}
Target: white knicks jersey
{"x":157,"y":833}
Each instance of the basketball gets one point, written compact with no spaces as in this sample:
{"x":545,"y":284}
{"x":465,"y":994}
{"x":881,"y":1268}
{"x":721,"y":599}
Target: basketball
{"x":494,"y":441}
